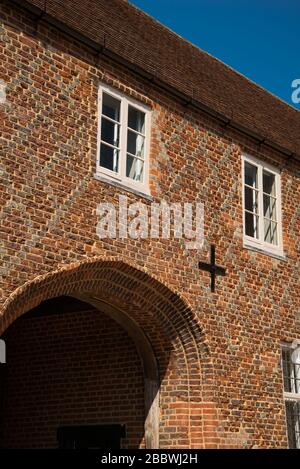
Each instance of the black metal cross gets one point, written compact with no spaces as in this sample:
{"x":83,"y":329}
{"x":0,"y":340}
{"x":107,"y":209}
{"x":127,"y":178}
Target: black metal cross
{"x":212,"y":268}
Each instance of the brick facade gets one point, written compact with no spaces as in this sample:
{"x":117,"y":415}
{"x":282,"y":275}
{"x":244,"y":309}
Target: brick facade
{"x":218,"y":354}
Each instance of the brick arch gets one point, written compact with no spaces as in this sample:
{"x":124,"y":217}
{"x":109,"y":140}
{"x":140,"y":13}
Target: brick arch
{"x":162,"y":314}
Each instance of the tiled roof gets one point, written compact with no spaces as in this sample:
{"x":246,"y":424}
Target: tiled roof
{"x":144,"y":42}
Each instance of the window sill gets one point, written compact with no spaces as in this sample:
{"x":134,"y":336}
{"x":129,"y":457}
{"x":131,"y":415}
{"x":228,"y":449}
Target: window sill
{"x":122,"y":186}
{"x":291,"y":396}
{"x":261,"y":250}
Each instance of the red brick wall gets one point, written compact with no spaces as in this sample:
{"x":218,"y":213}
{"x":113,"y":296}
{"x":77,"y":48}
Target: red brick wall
{"x":217,"y":388}
{"x":69,"y":368}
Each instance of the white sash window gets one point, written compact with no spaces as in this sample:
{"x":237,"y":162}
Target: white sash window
{"x":124,"y":140}
{"x":291,"y":380}
{"x":261,"y":206}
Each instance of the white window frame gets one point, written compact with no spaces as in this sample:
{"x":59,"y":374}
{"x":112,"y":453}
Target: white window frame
{"x":260,"y":244}
{"x":120,"y":177}
{"x":289,"y":396}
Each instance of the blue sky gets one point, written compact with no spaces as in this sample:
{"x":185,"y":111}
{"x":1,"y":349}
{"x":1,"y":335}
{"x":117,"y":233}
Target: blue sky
{"x":259,"y":38}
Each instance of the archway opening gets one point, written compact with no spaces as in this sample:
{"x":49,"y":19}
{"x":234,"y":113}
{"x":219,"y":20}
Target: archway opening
{"x":70,"y":364}
{"x":174,"y":356}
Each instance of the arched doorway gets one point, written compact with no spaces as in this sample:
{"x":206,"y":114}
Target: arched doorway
{"x":178,"y":378}
{"x":70,"y":365}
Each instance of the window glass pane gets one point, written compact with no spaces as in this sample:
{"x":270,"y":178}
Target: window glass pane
{"x":134,"y":168}
{"x":293,"y":422}
{"x":251,"y":225}
{"x":251,"y":200}
{"x":251,"y":175}
{"x":287,"y":369}
{"x":291,"y":370}
{"x":110,"y":132}
{"x":269,"y":183}
{"x":135,"y":144}
{"x":296,"y":370}
{"x":109,"y":157}
{"x":270,"y":231}
{"x":111,"y":107}
{"x":136,"y":119}
{"x":270,"y":207}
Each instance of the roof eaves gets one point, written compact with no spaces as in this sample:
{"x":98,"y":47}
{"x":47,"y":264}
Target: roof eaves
{"x":40,"y":14}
